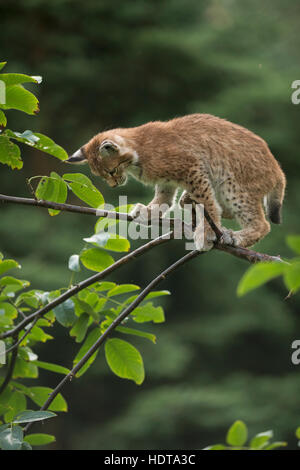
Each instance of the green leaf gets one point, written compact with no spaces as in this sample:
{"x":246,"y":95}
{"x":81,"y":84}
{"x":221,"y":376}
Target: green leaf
{"x":19,"y":98}
{"x":65,"y":313}
{"x":39,"y":439}
{"x":237,"y":434}
{"x":80,"y":328}
{"x":261,"y":439}
{"x":52,"y":189}
{"x":258,"y":275}
{"x":90,"y":340}
{"x":109,"y":241}
{"x":293,"y":242}
{"x":18,"y":78}
{"x":52,"y":367}
{"x":40,"y":395}
{"x":8,"y":264}
{"x":297,"y":433}
{"x":132,"y":331}
{"x":15,"y":405}
{"x":2,"y":64}
{"x":3,"y":120}
{"x":32,"y":416}
{"x":25,"y":369}
{"x":96,"y":259}
{"x":84,"y":189}
{"x":7,"y":313}
{"x":37,"y":334}
{"x":122,"y":289}
{"x":74,"y":263}
{"x":292,"y":276}
{"x":124,"y":360}
{"x":216,"y":447}
{"x":147,"y":313}
{"x":10,"y":153}
{"x":11,"y":438}
{"x":47,"y":145}
{"x":275,"y":445}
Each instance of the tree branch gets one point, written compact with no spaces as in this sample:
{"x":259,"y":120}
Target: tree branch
{"x":86,"y":283}
{"x":115,"y":323}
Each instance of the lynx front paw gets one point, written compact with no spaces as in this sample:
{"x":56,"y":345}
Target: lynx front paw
{"x":229,"y":237}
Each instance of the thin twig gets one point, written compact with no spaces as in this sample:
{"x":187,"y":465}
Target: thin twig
{"x":115,"y":323}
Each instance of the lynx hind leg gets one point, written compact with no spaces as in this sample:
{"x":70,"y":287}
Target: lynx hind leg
{"x":254,"y":225}
{"x":204,"y":194}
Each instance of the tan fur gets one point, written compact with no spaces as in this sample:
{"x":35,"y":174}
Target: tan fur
{"x":221,"y":165}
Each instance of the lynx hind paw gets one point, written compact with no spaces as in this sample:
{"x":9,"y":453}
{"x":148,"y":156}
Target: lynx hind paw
{"x":204,"y":243}
{"x":229,"y":237}
{"x":140,"y":211}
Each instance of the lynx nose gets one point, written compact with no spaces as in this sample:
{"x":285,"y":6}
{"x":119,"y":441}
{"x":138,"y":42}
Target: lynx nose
{"x":77,"y":157}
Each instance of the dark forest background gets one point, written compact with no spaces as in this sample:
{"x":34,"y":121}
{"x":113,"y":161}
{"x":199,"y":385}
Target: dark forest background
{"x":121,"y":63}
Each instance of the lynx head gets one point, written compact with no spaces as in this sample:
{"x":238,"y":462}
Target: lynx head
{"x":108,"y":155}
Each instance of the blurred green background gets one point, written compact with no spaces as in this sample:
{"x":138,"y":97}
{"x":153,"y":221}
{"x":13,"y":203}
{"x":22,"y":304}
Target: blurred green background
{"x":108,"y":64}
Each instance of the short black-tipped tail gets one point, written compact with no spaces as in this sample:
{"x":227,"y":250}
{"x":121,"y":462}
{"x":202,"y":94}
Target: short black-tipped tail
{"x":275,"y":200}
{"x":274,"y":212}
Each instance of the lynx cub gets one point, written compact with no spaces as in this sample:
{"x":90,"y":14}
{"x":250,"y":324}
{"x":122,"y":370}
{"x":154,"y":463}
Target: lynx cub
{"x":221,"y":165}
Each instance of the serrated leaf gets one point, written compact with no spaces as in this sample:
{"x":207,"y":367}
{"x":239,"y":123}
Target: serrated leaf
{"x":237,"y":434}
{"x":96,"y":259}
{"x":10,"y":154}
{"x":32,"y":416}
{"x":259,"y":274}
{"x":39,"y":439}
{"x":124,"y":360}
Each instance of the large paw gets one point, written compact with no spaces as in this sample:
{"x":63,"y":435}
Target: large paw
{"x":204,"y":241}
{"x":229,"y":237}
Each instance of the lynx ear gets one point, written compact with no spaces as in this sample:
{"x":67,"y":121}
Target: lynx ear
{"x":77,"y":158}
{"x":108,"y":148}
